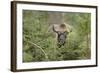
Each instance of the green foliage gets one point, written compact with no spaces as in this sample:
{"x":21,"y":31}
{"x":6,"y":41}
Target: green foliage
{"x":39,"y":44}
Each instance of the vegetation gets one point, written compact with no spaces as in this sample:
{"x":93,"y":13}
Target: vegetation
{"x":39,"y":44}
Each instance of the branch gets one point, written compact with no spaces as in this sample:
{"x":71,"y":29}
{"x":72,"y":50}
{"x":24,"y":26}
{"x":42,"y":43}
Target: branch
{"x":39,"y":48}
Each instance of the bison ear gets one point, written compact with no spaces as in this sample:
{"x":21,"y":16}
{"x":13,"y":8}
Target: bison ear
{"x":65,"y":32}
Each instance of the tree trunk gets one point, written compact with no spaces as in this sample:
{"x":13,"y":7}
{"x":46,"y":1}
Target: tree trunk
{"x":55,"y":18}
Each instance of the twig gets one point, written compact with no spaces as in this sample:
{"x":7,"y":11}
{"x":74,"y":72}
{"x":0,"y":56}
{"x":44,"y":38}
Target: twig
{"x":39,"y":48}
